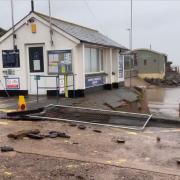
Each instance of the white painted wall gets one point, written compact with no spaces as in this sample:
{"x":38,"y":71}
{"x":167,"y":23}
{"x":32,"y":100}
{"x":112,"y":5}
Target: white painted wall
{"x":26,"y":38}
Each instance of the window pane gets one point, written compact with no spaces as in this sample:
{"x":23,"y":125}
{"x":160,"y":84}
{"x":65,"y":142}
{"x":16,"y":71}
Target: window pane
{"x":10,"y":58}
{"x":94,"y":61}
{"x":87,"y":60}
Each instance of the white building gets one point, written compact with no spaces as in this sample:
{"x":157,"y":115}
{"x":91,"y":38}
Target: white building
{"x":47,"y":51}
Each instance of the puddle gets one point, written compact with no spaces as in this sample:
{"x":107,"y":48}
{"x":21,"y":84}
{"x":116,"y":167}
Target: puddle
{"x":164,"y":101}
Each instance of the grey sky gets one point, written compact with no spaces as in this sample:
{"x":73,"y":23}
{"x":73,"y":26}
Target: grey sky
{"x":155,"y":22}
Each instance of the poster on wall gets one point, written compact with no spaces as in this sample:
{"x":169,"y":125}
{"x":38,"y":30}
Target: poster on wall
{"x":12,"y":83}
{"x":121,"y":67}
{"x":57,"y":58}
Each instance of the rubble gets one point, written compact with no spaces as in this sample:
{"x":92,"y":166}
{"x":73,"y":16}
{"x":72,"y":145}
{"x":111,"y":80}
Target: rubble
{"x":82,"y":127}
{"x":7,"y":149}
{"x":22,"y":134}
{"x":163,"y":82}
{"x":35,"y":134}
{"x":120,"y":140}
{"x":97,"y":131}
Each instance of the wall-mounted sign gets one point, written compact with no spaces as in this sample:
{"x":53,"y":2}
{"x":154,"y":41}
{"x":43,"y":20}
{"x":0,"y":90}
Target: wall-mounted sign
{"x":94,"y":81}
{"x":12,"y":83}
{"x":61,"y":84}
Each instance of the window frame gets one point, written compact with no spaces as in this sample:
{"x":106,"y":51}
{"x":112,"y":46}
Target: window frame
{"x":100,"y":60}
{"x":17,"y":58}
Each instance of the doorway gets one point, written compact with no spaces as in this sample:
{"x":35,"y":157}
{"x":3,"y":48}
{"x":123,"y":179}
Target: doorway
{"x":36,"y":67}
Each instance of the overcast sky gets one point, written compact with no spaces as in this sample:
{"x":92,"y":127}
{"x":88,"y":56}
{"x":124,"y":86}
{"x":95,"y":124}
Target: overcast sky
{"x":155,"y":22}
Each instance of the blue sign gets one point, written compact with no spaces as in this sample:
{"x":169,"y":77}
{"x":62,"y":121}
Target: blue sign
{"x":95,"y":81}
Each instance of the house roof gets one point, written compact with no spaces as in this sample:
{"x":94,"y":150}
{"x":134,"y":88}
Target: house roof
{"x":150,"y":50}
{"x":2,"y":32}
{"x":81,"y":33}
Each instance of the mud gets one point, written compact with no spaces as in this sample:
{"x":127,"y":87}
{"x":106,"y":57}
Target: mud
{"x":37,"y":167}
{"x":140,"y":151}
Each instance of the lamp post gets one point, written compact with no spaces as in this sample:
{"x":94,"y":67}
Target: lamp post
{"x":130,"y":42}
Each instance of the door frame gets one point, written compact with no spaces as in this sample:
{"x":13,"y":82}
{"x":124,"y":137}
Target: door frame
{"x":29,"y":74}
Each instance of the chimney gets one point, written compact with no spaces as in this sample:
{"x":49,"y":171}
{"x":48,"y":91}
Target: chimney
{"x":32,"y":5}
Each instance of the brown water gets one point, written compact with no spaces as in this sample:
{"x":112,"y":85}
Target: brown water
{"x":164,"y":101}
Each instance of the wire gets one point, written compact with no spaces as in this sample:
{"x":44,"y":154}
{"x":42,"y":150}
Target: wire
{"x":93,"y":15}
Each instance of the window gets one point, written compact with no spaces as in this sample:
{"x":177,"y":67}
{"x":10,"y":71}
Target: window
{"x":145,"y":62}
{"x":36,"y":59}
{"x":93,"y":60}
{"x":10,"y":58}
{"x":154,"y":60}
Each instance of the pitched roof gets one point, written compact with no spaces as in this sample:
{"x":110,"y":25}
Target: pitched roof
{"x":150,"y":50}
{"x":2,"y":32}
{"x":81,"y":33}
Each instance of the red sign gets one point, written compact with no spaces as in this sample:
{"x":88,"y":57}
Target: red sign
{"x":12,"y":83}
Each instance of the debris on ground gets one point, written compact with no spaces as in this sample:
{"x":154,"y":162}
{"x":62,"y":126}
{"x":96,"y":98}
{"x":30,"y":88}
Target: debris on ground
{"x":120,"y":141}
{"x":35,"y":136}
{"x":55,"y":134}
{"x":97,"y":131}
{"x":178,"y":161}
{"x":82,"y":127}
{"x":158,"y":139}
{"x":164,"y":82}
{"x":22,"y":134}
{"x":7,"y":149}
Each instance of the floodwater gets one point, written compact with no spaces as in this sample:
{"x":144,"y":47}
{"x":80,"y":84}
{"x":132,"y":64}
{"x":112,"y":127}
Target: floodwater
{"x":164,"y":101}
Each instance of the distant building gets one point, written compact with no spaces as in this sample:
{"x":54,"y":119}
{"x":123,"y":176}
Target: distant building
{"x":43,"y":54}
{"x":2,"y":32}
{"x":146,"y":63}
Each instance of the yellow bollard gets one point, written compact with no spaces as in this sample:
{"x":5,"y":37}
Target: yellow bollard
{"x":22,"y":104}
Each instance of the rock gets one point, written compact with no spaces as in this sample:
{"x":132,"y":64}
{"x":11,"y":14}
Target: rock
{"x":97,"y":131}
{"x":178,"y":161}
{"x":7,"y":149}
{"x":63,"y":135}
{"x":55,"y":134}
{"x":120,"y":141}
{"x":21,"y":134}
{"x":35,"y":136}
{"x":82,"y":127}
{"x":158,"y":139}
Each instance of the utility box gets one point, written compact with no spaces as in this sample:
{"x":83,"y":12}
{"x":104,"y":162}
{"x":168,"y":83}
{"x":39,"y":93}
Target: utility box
{"x":33,"y":28}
